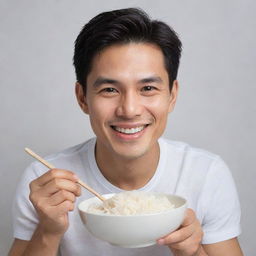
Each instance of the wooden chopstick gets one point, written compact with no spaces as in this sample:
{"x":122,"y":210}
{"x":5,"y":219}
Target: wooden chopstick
{"x":50,"y":166}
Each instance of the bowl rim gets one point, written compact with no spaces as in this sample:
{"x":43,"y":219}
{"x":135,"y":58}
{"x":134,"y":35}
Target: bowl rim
{"x":184,"y":204}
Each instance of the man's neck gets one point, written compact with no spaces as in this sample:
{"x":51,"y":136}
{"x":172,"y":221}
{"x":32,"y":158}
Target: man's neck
{"x":128,"y":174}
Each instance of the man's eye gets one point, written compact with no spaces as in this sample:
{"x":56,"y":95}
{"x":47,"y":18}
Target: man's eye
{"x":109,"y":90}
{"x":148,"y":88}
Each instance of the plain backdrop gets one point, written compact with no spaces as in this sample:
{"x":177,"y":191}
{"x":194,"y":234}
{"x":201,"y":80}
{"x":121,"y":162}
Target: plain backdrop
{"x":215,"y":109}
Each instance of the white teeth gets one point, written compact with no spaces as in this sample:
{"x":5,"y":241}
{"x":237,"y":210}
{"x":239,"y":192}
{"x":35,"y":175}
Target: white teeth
{"x":129,"y":131}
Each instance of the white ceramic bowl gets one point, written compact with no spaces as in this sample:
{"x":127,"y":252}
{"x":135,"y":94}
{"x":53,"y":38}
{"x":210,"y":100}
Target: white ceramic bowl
{"x":136,"y":230}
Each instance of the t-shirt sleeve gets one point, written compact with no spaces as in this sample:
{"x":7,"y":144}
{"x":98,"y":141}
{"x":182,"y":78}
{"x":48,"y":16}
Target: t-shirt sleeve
{"x":24,"y":216}
{"x":220,"y":204}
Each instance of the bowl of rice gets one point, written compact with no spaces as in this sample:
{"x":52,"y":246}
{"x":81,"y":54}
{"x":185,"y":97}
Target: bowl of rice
{"x":133,"y":219}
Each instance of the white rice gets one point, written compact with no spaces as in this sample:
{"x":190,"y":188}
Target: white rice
{"x":132,"y":203}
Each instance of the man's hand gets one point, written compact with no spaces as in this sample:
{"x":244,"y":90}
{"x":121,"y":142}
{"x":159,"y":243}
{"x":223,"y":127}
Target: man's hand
{"x":186,"y":241}
{"x":53,"y":196}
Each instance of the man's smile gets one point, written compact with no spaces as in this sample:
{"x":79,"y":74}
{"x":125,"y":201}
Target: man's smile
{"x":129,"y":130}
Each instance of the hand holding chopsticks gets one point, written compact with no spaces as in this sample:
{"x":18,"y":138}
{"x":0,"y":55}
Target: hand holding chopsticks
{"x":50,"y":166}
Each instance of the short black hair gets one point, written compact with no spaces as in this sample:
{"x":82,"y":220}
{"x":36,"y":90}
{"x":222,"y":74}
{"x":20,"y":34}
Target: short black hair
{"x":120,"y":27}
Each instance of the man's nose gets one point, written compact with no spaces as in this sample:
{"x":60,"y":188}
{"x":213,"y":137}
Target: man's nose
{"x":130,"y":106}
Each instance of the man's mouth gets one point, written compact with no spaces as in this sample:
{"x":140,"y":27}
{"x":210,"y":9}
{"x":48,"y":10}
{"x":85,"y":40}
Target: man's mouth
{"x":129,"y":130}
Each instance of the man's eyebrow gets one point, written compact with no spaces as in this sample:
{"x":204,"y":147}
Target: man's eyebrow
{"x":103,"y":80}
{"x":151,"y":79}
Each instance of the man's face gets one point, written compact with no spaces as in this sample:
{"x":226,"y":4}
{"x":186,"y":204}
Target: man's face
{"x":128,"y":99}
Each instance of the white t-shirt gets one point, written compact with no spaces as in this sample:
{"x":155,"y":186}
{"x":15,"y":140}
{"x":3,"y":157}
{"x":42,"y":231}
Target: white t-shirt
{"x":199,"y":176}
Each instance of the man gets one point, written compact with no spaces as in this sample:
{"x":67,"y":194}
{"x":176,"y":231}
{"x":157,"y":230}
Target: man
{"x":126,"y":67}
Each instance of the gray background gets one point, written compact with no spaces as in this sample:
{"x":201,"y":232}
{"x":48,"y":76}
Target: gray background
{"x":215,"y":109}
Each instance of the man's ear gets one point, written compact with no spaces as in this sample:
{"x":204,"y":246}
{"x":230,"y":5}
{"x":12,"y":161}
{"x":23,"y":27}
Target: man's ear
{"x":174,"y":95}
{"x":81,"y":98}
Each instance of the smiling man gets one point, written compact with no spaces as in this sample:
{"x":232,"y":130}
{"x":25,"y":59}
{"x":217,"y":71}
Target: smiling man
{"x":126,"y":67}
{"x":128,"y":99}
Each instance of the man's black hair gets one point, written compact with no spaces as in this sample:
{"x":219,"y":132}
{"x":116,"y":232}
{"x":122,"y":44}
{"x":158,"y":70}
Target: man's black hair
{"x":121,"y":27}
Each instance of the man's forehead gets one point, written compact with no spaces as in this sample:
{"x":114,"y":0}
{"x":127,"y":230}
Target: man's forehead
{"x":129,"y":51}
{"x":137,"y":60}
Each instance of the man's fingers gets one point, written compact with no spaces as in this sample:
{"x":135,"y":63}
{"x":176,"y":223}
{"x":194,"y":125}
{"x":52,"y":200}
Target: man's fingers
{"x":187,"y":230}
{"x":53,"y":174}
{"x":189,"y":246}
{"x":54,"y":206}
{"x":60,"y":188}
{"x":65,"y":207}
{"x":189,"y":218}
{"x":60,"y":184}
{"x":178,"y":236}
{"x":60,"y":197}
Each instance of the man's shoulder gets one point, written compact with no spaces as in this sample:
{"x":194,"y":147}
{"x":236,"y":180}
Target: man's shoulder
{"x":72,"y":151}
{"x":186,"y":150}
{"x":64,"y":159}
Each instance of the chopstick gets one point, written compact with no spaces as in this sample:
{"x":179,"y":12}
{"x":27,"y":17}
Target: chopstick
{"x":50,"y":166}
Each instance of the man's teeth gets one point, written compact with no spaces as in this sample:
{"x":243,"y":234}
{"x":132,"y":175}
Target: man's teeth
{"x":129,"y":131}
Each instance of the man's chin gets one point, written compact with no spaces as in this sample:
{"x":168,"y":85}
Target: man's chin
{"x":130,"y":154}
